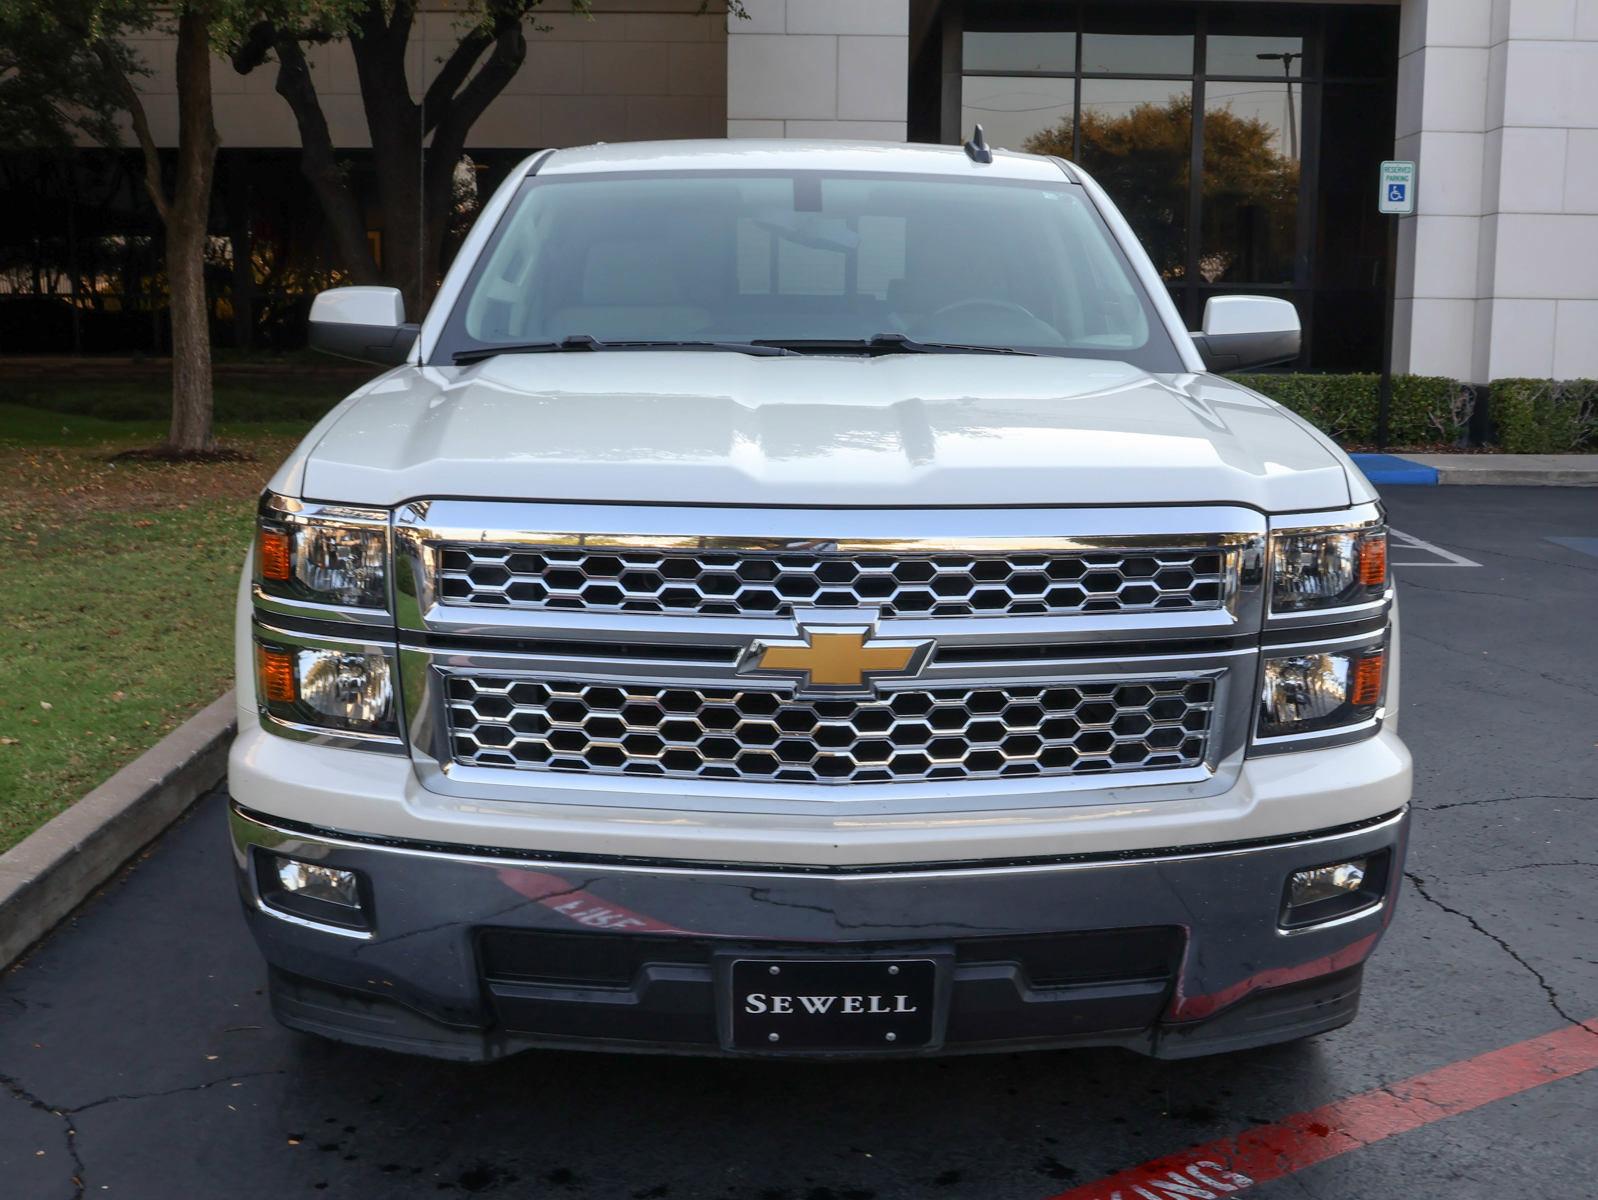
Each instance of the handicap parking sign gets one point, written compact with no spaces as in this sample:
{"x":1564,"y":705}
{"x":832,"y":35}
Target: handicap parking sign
{"x":1397,"y":194}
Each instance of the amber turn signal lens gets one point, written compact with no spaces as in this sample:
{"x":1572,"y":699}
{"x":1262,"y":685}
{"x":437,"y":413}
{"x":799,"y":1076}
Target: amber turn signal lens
{"x":276,"y":671}
{"x":272,"y":551}
{"x":1367,"y":688}
{"x":1373,"y":561}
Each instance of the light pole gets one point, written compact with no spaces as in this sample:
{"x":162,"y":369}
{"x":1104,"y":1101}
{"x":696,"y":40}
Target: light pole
{"x":1286,"y":58}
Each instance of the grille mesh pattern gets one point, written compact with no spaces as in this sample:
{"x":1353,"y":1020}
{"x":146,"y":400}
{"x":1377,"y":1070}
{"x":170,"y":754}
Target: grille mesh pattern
{"x":941,"y":733}
{"x":715,"y":583}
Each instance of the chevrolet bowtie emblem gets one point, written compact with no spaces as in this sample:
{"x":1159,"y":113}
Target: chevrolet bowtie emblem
{"x":839,"y":658}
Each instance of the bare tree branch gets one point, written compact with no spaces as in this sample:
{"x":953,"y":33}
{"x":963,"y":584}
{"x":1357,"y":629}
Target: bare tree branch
{"x":319,"y":160}
{"x":452,"y":74}
{"x":510,"y":51}
{"x":141,"y":127}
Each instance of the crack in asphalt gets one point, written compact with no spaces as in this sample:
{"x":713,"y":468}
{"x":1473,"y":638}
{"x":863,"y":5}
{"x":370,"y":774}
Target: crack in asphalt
{"x":1501,"y":800}
{"x":65,"y":1115}
{"x":1419,"y":885}
{"x":1406,"y":581}
{"x":1530,"y":558}
{"x":177,"y":1091}
{"x":1536,"y":866}
{"x":1501,"y":662}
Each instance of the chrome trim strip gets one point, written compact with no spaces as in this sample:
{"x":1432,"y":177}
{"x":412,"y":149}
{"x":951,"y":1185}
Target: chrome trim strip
{"x":359,"y":935}
{"x":766,"y":871}
{"x":1359,"y":914}
{"x":1360,"y":516}
{"x":281,"y":606}
{"x":1333,"y":616}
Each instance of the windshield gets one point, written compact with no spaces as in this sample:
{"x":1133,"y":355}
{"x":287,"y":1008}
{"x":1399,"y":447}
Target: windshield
{"x":818,"y":262}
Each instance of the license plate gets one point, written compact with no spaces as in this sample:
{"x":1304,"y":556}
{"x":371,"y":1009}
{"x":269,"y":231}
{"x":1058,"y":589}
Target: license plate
{"x":832,"y":1004}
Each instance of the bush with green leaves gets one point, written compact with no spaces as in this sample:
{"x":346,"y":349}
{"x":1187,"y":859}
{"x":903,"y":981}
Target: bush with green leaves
{"x":1545,"y":416}
{"x":1425,"y":409}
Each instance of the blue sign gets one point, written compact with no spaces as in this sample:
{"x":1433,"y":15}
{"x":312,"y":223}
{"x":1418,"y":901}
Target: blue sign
{"x":1395,"y":192}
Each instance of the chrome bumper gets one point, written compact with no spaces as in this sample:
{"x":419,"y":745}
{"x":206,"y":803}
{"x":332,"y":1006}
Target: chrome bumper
{"x":1171,"y":953}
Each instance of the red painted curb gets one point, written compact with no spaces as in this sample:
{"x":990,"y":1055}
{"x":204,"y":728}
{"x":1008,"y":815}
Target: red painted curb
{"x":1232,"y":1165}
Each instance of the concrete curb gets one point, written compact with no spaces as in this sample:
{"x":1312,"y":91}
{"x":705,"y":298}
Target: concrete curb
{"x":1513,"y":470}
{"x":58,"y":866}
{"x":1484,"y":470}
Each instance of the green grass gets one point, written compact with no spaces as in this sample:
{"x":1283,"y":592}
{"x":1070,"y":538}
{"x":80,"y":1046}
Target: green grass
{"x":119,"y":628}
{"x":147,"y":400}
{"x":22,"y":425}
{"x":117,"y":581}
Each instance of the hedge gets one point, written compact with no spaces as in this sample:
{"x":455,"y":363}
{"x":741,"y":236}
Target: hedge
{"x":1425,"y":409}
{"x":1545,"y":416}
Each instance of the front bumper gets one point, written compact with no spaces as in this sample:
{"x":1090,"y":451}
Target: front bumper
{"x":475,"y":954}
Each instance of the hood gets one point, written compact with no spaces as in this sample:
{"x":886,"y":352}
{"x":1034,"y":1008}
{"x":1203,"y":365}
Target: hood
{"x":690,"y":427}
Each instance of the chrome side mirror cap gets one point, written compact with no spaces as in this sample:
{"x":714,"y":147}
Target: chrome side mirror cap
{"x":364,"y":323}
{"x":1248,"y":331}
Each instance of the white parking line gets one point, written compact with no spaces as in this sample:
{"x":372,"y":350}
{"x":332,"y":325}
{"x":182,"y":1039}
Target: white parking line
{"x":1444,"y":558}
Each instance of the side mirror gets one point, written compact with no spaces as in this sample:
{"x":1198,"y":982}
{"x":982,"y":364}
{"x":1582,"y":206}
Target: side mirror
{"x":363,"y":323}
{"x":1247,"y":331}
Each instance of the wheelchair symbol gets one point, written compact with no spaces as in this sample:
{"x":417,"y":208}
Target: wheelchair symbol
{"x":1395,"y":192}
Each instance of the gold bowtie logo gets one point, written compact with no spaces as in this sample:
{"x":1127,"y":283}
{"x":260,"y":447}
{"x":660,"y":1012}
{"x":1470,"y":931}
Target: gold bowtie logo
{"x":839,"y":658}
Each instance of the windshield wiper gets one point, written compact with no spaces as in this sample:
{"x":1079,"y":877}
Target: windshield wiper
{"x":885,"y":343}
{"x":580,"y":342}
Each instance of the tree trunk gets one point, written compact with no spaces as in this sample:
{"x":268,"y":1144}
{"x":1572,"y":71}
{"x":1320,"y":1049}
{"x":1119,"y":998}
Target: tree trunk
{"x":191,"y":343}
{"x":187,"y":219}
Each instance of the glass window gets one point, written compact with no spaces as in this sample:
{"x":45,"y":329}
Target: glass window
{"x":1020,"y":112}
{"x":807,"y":258}
{"x":1137,"y":53}
{"x":1228,"y":54}
{"x":1020,"y":50}
{"x":1250,"y":185}
{"x":1361,"y":42}
{"x":1137,"y":141}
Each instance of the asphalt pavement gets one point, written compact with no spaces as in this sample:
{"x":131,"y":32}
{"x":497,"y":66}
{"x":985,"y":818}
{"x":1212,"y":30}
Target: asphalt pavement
{"x":138,"y":1058}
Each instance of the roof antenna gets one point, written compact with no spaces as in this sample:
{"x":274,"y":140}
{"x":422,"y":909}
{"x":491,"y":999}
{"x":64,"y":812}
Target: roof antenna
{"x":977,"y":148}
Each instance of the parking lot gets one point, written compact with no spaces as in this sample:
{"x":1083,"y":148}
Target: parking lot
{"x":138,"y":1059}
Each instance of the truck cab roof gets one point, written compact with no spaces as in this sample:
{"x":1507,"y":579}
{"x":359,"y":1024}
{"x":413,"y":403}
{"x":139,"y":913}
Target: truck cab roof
{"x":793,"y":155}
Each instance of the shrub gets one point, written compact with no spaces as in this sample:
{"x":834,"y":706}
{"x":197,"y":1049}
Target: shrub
{"x":1545,"y":416}
{"x":1424,"y":408}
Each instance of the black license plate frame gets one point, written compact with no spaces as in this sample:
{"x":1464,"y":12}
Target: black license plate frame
{"x":880,"y":1004}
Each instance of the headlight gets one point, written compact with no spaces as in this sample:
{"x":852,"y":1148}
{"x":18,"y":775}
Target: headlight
{"x":1328,"y":568}
{"x":349,"y":691}
{"x":322,"y":555}
{"x":1321,"y":692}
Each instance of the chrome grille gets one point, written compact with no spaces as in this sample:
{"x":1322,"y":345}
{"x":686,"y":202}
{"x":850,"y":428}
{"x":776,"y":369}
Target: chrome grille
{"x":744,"y":583}
{"x":905,"y":736}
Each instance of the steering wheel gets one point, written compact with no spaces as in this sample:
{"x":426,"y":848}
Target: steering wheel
{"x":988,"y":304}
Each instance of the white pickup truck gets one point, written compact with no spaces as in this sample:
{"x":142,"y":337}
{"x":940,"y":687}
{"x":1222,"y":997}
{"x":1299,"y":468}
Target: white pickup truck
{"x":814,"y":599}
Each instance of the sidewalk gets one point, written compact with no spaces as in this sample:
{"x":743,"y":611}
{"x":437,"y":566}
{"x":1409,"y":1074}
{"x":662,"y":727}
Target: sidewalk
{"x":1522,"y":470}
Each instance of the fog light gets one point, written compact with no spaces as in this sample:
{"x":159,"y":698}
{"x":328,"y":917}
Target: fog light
{"x":327,"y":884}
{"x":1326,"y":883}
{"x":337,"y":900}
{"x":1319,"y":894}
